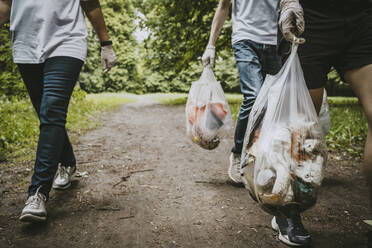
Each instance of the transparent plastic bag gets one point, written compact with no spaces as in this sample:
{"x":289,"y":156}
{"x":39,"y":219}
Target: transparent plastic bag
{"x":208,"y":116}
{"x":284,"y":152}
{"x":324,"y":118}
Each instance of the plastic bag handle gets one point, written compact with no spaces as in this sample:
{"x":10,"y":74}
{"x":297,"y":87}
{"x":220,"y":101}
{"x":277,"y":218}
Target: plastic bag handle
{"x":208,"y":74}
{"x":291,"y":56}
{"x":209,"y":70}
{"x":295,"y":44}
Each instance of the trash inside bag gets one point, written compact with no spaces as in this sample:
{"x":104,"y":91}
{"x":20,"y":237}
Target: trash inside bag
{"x":208,"y":116}
{"x":284,"y":152}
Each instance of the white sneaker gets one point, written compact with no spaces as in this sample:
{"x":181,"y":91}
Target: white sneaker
{"x":35,"y":210}
{"x":64,"y":177}
{"x":234,"y":169}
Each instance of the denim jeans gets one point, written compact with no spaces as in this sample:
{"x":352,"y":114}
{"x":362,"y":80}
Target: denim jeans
{"x":50,"y":86}
{"x":254,"y":62}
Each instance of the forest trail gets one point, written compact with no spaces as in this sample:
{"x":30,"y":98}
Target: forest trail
{"x":145,"y":184}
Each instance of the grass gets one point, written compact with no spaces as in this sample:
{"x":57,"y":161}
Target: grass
{"x":348,"y":123}
{"x":111,"y":100}
{"x":170,"y":98}
{"x":342,"y":101}
{"x":348,"y":129}
{"x":181,"y":98}
{"x":19,"y":126}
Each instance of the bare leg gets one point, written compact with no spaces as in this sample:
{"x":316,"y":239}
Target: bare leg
{"x":361,"y":82}
{"x":317,"y":97}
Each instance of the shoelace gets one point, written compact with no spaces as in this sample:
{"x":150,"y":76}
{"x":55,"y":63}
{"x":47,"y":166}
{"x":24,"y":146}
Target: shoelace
{"x":63,"y":172}
{"x":237,"y":165}
{"x":35,"y":200}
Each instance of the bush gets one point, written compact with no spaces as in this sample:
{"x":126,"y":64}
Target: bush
{"x":19,"y":127}
{"x":11,"y":83}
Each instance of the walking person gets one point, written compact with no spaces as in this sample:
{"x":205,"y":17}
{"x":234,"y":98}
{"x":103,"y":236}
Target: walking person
{"x":49,"y":44}
{"x":334,"y":34}
{"x":254,"y":42}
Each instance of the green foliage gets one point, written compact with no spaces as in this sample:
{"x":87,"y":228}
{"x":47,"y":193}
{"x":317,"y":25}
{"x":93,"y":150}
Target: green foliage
{"x":181,"y":98}
{"x":119,"y":17}
{"x":10,"y":80}
{"x":348,"y":129}
{"x":168,"y":61}
{"x":342,"y":101}
{"x":179,"y":33}
{"x":111,"y":100}
{"x":173,"y":99}
{"x":336,"y":87}
{"x":19,"y":125}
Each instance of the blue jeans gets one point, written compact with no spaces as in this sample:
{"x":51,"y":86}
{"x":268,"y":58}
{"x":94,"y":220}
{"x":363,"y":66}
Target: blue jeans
{"x":50,"y":86}
{"x":254,"y":61}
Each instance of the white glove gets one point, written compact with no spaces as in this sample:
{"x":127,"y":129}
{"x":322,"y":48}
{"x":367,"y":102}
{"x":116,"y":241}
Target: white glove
{"x":209,"y":55}
{"x":291,"y":20}
{"x":108,"y":58}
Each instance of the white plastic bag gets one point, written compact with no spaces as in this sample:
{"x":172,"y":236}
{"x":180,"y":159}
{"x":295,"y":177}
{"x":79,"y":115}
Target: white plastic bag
{"x":208,"y":116}
{"x":284,"y":151}
{"x":324,"y":118}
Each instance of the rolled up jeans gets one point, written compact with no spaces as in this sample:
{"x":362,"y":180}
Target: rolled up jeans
{"x":50,"y":86}
{"x":254,"y":62}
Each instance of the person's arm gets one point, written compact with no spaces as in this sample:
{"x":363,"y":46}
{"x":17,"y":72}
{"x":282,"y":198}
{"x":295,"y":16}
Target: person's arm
{"x":5,"y":6}
{"x":93,"y":11}
{"x":218,"y":21}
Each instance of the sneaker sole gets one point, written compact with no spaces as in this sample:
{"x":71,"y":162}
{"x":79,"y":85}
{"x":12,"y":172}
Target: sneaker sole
{"x":62,"y":187}
{"x":282,"y":238}
{"x":229,"y":172}
{"x":32,"y":218}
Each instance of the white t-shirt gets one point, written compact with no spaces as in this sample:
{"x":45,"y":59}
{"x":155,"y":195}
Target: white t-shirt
{"x":43,"y":29}
{"x":255,"y":20}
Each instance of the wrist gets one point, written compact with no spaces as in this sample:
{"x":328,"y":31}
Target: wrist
{"x":211,"y":47}
{"x":106,"y":43}
{"x":286,"y":2}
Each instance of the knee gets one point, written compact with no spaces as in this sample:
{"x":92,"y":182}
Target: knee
{"x":368,"y":112}
{"x":53,"y":111}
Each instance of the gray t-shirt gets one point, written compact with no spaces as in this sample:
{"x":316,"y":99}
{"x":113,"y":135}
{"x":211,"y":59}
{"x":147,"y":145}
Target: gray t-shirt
{"x":255,"y":20}
{"x":43,"y":29}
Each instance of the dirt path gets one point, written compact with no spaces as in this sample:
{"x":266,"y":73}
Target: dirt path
{"x":149,"y":186}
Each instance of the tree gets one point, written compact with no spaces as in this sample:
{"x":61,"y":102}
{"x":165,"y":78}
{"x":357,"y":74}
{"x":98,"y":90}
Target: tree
{"x":119,"y":17}
{"x":179,"y":33}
